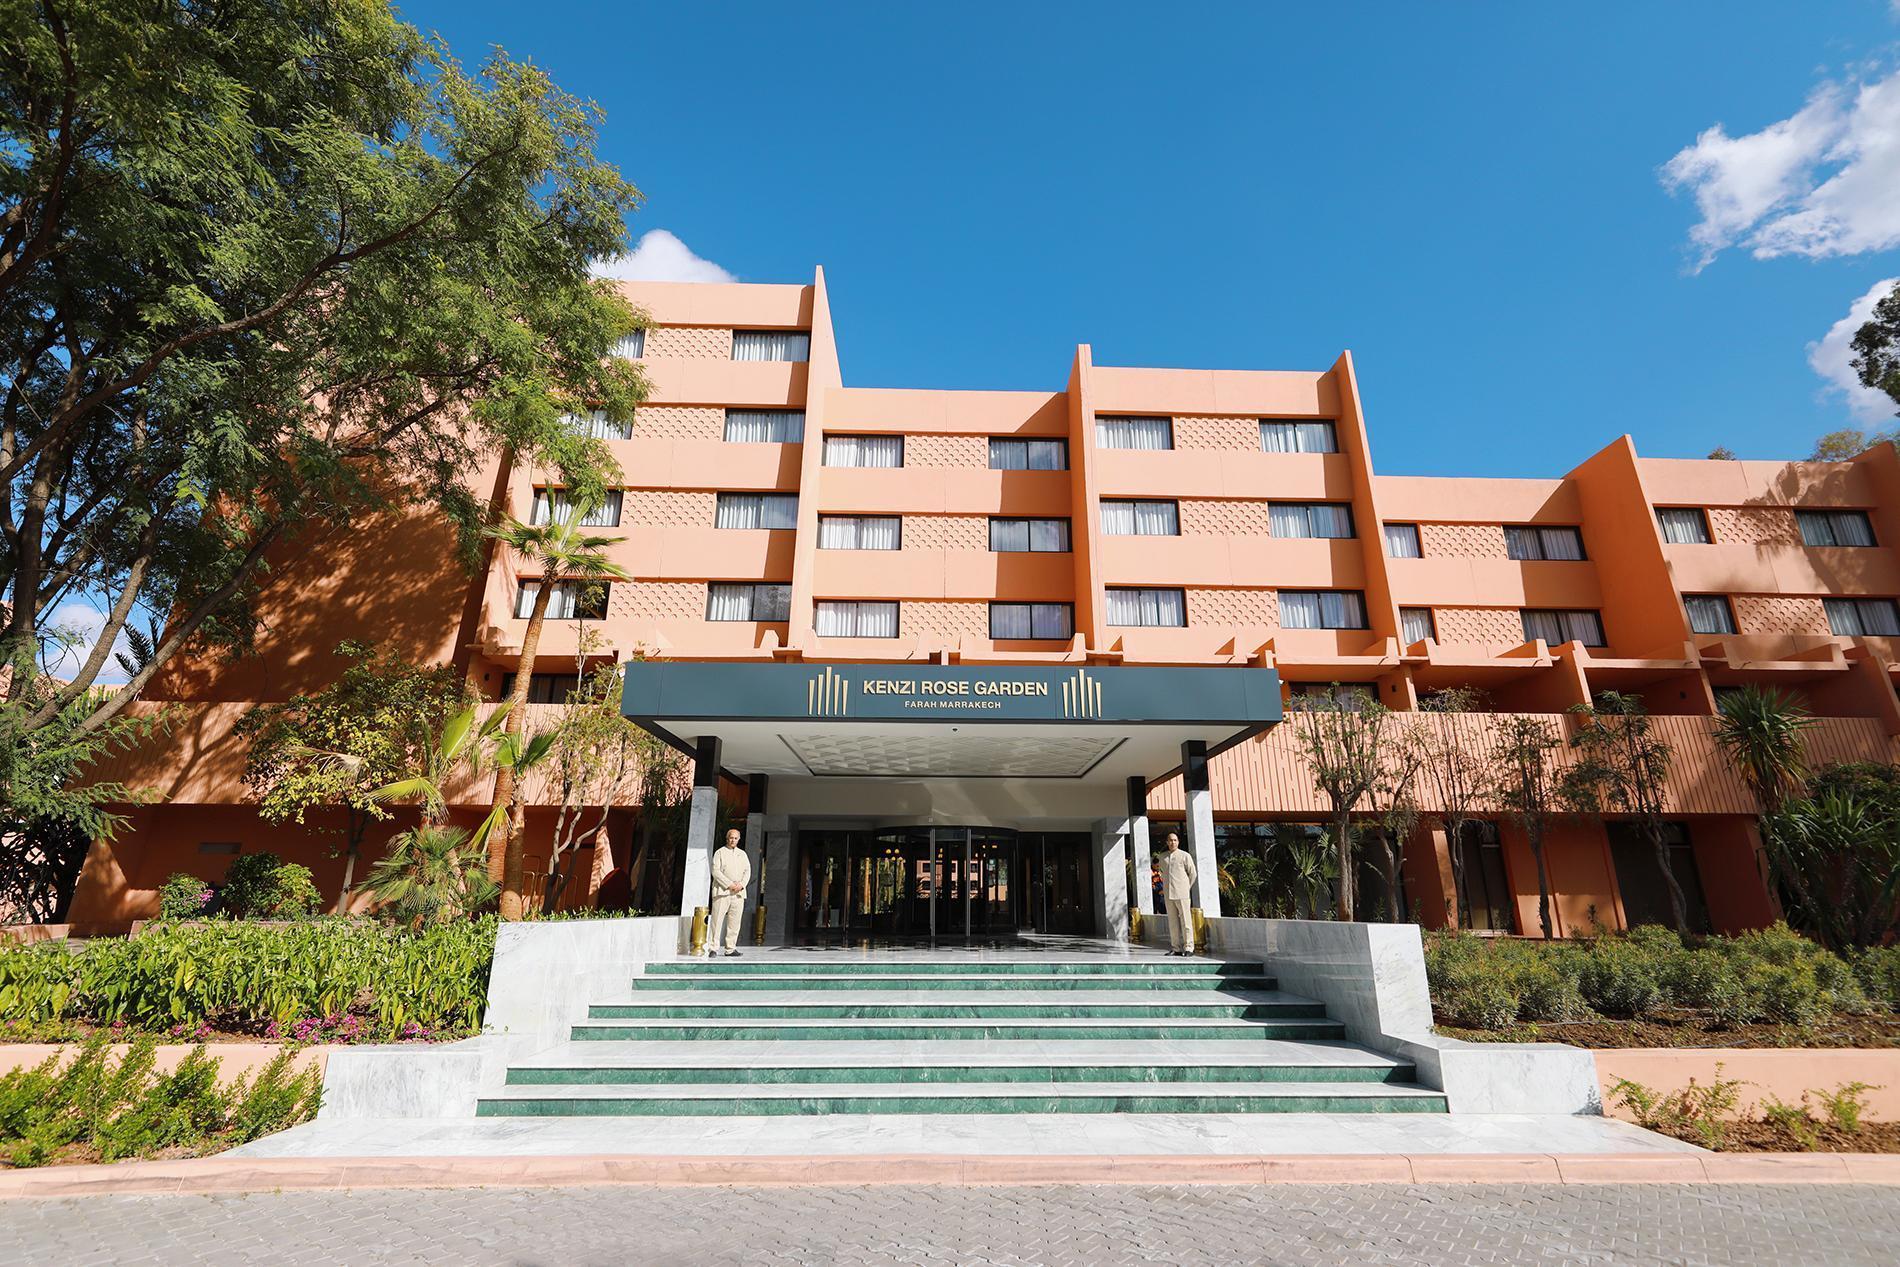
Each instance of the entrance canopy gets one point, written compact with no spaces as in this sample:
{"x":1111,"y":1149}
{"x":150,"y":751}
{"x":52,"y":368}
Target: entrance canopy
{"x":1093,"y":724}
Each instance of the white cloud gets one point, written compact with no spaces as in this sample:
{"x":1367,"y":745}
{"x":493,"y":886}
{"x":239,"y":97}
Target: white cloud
{"x":78,"y":624}
{"x":661,"y":257}
{"x":1830,"y":358}
{"x":1825,"y":181}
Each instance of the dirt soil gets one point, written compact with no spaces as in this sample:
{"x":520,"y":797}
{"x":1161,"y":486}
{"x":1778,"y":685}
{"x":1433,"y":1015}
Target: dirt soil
{"x":1766,"y":1137}
{"x":1690,"y":1029}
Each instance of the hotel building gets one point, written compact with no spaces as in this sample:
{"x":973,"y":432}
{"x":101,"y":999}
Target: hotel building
{"x":961,"y":655}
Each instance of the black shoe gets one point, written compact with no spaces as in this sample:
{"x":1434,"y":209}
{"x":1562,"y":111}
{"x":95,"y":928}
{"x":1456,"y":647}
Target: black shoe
{"x":732,"y":954}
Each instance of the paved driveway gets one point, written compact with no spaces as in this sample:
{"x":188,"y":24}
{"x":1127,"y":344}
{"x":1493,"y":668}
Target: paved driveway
{"x":625,"y":1226}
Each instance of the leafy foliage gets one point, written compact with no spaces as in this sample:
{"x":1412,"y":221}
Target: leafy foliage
{"x":1623,"y":765}
{"x":1342,"y":735}
{"x":264,"y":886}
{"x":1761,"y":732}
{"x":1524,"y":754}
{"x":431,"y":875}
{"x":1837,"y":850}
{"x":183,"y":896}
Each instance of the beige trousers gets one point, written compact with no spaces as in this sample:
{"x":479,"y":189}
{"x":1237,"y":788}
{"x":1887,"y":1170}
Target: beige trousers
{"x":726,"y":911}
{"x":1180,"y":924}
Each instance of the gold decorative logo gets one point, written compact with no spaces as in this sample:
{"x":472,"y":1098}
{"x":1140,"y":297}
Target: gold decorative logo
{"x":828,"y":694}
{"x":1082,"y":695}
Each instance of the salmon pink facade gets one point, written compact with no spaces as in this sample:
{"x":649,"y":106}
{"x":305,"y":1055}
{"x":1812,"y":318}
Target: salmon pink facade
{"x":1228,"y":519}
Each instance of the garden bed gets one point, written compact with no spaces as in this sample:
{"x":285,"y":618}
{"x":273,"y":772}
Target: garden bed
{"x":1687,"y":1028}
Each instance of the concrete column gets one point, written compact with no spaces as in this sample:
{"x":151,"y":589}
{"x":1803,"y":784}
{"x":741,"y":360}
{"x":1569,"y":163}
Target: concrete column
{"x":1111,"y":889}
{"x":1138,"y":844}
{"x":696,"y":889}
{"x":1200,"y":827}
{"x":754,"y":850}
{"x":776,"y":888}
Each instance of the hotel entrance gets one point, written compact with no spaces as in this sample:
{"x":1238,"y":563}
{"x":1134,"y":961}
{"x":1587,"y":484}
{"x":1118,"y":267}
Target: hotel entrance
{"x":930,"y":882}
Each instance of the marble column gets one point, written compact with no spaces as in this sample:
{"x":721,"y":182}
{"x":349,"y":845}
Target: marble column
{"x":1200,"y":827}
{"x":754,"y":850}
{"x":1111,"y":890}
{"x":703,"y":821}
{"x":1138,"y":844}
{"x":776,"y":887}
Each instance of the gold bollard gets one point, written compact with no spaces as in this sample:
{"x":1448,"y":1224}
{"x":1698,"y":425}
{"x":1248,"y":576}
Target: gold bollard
{"x":1200,"y":931}
{"x":758,"y":925}
{"x":1134,"y":926}
{"x":699,"y":930}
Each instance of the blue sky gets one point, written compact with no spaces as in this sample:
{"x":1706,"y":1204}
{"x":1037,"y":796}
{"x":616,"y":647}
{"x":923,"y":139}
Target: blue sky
{"x":1470,"y":197}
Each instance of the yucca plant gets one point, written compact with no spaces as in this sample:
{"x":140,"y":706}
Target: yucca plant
{"x":431,"y":874}
{"x":1761,"y":732}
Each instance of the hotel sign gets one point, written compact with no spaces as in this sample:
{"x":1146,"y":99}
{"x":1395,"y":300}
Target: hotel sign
{"x":883,"y":692}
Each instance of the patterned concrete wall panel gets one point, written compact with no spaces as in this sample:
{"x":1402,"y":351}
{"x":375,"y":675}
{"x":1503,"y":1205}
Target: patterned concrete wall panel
{"x":1225,"y":517}
{"x":1203,"y":431}
{"x":1494,"y":627}
{"x":1233,"y":607}
{"x":1780,"y":614}
{"x":689,"y":343}
{"x":645,"y":601}
{"x":679,"y":422}
{"x":661,"y":508}
{"x":1461,"y":541}
{"x":1753,"y":525}
{"x":945,"y":619}
{"x":946,"y":532}
{"x":942,"y":450}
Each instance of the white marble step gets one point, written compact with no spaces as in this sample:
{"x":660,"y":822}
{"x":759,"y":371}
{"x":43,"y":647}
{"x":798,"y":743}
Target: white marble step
{"x":928,"y":1023}
{"x":963,"y":1090}
{"x":875,"y":996}
{"x":955,"y":1052}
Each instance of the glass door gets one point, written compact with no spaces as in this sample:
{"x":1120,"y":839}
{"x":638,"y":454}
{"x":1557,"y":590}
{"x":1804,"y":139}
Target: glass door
{"x":992,"y":859}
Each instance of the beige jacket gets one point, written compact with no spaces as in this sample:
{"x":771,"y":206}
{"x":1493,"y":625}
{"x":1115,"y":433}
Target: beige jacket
{"x":1177,"y":875}
{"x":730,"y":866}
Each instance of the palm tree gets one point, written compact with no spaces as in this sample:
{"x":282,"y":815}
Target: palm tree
{"x":560,"y":551}
{"x":431,"y":873}
{"x":1760,"y":732}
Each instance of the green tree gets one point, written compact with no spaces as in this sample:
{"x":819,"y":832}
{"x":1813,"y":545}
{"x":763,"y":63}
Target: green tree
{"x":370,"y":727}
{"x":1524,"y":750}
{"x":1721,"y":453}
{"x":1763,"y":735}
{"x":557,"y":551}
{"x":1458,"y":769}
{"x":1838,"y":849}
{"x":1877,"y":352}
{"x":1848,"y":442}
{"x":1342,"y":734}
{"x":459,"y":749}
{"x":431,"y":874}
{"x":1623,"y":765}
{"x":265,"y":266}
{"x":599,"y":762}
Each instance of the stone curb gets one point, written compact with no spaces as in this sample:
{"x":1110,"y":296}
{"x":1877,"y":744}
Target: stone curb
{"x":221,"y":1174}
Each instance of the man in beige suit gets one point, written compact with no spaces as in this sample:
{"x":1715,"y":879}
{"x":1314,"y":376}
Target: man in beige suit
{"x":1177,"y":890}
{"x":731,"y":872}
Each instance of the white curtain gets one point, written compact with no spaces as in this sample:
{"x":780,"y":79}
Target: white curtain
{"x":1309,"y":519}
{"x":550,"y":504}
{"x":836,"y":619}
{"x":1558,"y":627}
{"x":756,"y":510}
{"x":1835,"y":528}
{"x":1401,"y":541}
{"x":1415,"y":625}
{"x":1010,"y":620}
{"x":728,"y":602}
{"x":1134,"y":433}
{"x":561,"y":602}
{"x":765,"y":426}
{"x":1342,"y":609}
{"x":1287,"y":519}
{"x":1863,"y":618}
{"x":1028,"y":455}
{"x":1683,"y":526}
{"x":1561,"y":543}
{"x":1009,"y":536}
{"x":771,"y":345}
{"x":1298,"y":437}
{"x":1165,"y":607}
{"x":1299,"y":609}
{"x":1331,"y":519}
{"x":1048,"y":621}
{"x":858,"y":532}
{"x":1118,"y":519}
{"x":1141,"y":519}
{"x":1521,"y":543}
{"x":595,"y":424}
{"x":1049,"y":536}
{"x":632,"y":346}
{"x":1709,"y":614}
{"x":878,"y":451}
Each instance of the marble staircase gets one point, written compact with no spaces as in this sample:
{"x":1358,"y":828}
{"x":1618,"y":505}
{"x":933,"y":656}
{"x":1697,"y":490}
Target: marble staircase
{"x":946,"y":1036}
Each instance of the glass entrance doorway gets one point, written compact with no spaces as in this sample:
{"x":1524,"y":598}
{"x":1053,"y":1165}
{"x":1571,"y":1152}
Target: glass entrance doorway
{"x":942,"y":882}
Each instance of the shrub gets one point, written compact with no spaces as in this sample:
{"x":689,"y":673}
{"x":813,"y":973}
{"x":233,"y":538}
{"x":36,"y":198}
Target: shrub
{"x":37,"y":983}
{"x":1700,"y":1110}
{"x":1878,"y":969}
{"x":1481,"y":1002}
{"x":1619,"y":979}
{"x":183,"y":896}
{"x":1790,"y":993}
{"x":264,"y":886}
{"x":1546,"y":993}
{"x":1846,"y":1105}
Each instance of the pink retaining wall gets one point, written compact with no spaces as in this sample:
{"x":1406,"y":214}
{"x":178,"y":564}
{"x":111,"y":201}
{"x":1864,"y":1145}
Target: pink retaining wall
{"x":1766,"y":1071}
{"x":235,"y":1060}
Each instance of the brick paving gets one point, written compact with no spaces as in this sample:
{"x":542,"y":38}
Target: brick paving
{"x":1677,"y":1224}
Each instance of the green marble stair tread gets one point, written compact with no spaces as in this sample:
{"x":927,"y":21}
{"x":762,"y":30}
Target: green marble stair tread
{"x":847,"y":1030}
{"x":754,"y":962}
{"x":944,"y":981}
{"x":736,"y":1076}
{"x":1144,"y":1052}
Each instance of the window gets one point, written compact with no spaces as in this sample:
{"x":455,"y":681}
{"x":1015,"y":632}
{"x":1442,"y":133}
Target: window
{"x":1416,"y":625}
{"x":594,"y":424}
{"x":1298,"y":437}
{"x":1028,"y":455}
{"x":543,"y":688}
{"x":837,"y":619}
{"x":1134,"y":433}
{"x":1310,"y":519}
{"x":1322,"y":609}
{"x":879,"y":451}
{"x":1709,"y":614}
{"x":569,"y":600}
{"x":1401,"y":541}
{"x":748,"y":601}
{"x":1559,"y":627}
{"x":1141,"y":519}
{"x":552,"y":503}
{"x":1484,"y":888}
{"x":1347,"y":697}
{"x":859,"y":532}
{"x":1159,"y":607}
{"x":771,"y":345}
{"x":1032,"y":620}
{"x":1529,"y":542}
{"x":1639,"y":877}
{"x":765,"y":426}
{"x":1863,"y":617}
{"x":1683,"y":525}
{"x":1036,"y":536}
{"x":1835,"y":527}
{"x":756,"y":510}
{"x":632,"y":346}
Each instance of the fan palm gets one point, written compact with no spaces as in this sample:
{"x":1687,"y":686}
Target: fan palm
{"x":559,"y":551}
{"x":1760,"y":732}
{"x":431,"y":873}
